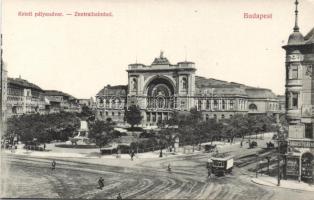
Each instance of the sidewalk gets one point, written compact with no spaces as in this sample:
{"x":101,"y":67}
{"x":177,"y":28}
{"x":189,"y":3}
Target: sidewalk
{"x":288,"y":184}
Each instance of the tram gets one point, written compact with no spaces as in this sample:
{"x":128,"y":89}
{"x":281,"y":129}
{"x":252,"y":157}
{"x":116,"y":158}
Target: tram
{"x":221,"y":164}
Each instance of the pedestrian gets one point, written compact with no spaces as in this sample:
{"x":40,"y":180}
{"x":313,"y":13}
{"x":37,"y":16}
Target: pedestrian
{"x":132,"y":155}
{"x":53,"y":165}
{"x":169,"y":167}
{"x":241,"y":143}
{"x":209,"y":173}
{"x":101,"y":183}
{"x":119,"y":197}
{"x":44,"y":146}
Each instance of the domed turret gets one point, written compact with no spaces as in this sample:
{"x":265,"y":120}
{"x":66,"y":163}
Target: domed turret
{"x":296,"y":37}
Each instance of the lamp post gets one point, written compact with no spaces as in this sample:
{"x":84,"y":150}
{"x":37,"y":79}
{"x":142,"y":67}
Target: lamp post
{"x":279,"y":173}
{"x":281,"y":131}
{"x":268,"y":162}
{"x":256,"y":165}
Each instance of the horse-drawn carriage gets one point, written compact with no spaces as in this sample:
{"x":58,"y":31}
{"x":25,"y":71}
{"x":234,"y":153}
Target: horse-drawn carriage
{"x":210,"y":148}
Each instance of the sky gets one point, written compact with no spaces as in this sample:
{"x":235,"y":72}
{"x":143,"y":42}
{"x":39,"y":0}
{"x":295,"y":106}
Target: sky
{"x":81,"y":55}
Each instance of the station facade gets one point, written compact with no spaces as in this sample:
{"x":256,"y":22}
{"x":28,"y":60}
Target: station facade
{"x":161,"y":88}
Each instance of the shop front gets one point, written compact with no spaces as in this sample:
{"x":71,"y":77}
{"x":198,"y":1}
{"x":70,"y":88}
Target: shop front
{"x":299,"y":164}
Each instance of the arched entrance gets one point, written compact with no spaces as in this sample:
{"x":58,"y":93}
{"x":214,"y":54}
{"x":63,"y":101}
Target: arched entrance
{"x":160,"y":99}
{"x":307,"y":166}
{"x":160,"y":92}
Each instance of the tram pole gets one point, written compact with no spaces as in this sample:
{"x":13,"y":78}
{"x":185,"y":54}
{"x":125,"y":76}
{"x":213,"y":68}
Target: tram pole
{"x":256,"y":164}
{"x":278,"y":157}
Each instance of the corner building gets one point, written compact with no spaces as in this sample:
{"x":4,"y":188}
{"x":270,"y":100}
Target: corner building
{"x":161,"y":88}
{"x":299,"y":102}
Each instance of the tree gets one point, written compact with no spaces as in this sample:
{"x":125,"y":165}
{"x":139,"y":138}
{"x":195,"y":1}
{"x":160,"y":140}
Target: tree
{"x":133,"y":115}
{"x":45,"y":128}
{"x":101,"y":132}
{"x":87,"y":113}
{"x":195,"y":115}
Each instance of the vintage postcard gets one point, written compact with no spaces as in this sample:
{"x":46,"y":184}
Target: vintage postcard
{"x":156,"y":99}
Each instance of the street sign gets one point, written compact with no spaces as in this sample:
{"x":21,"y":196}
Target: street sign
{"x":301,"y":143}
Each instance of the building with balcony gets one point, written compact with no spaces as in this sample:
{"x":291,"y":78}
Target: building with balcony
{"x":299,"y":102}
{"x":161,"y":88}
{"x":3,"y":90}
{"x":59,"y":101}
{"x":87,"y":102}
{"x":24,"y":97}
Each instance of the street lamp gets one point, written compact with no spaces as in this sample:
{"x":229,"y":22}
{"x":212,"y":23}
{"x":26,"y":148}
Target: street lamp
{"x":281,"y":131}
{"x":256,"y":164}
{"x":268,"y":162}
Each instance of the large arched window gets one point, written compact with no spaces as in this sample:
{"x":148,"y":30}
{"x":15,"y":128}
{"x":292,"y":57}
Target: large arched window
{"x":252,"y":106}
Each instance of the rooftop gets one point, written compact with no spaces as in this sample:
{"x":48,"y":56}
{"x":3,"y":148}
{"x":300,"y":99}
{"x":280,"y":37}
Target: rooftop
{"x":119,"y":90}
{"x":23,"y":83}
{"x":57,"y":93}
{"x":220,"y":87}
{"x":260,"y":93}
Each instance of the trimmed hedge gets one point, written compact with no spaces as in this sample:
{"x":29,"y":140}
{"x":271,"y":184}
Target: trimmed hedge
{"x":79,"y":146}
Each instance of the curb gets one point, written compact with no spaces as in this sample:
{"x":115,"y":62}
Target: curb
{"x":282,"y":187}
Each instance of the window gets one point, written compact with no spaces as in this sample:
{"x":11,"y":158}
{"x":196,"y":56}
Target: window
{"x":288,"y":104}
{"x":182,"y":104}
{"x":134,"y":83}
{"x":166,"y":117}
{"x":160,"y":102}
{"x":231,"y":104}
{"x":207,"y":117}
{"x":106,"y":113}
{"x":148,"y":117}
{"x":199,"y":104}
{"x":100,"y":113}
{"x":309,"y":131}
{"x":215,"y":116}
{"x":207,"y":104}
{"x":252,"y":107}
{"x":101,"y":101}
{"x":222,"y":116}
{"x":231,"y":116}
{"x":184,"y":83}
{"x":119,"y":114}
{"x":295,"y":100}
{"x":112,"y":113}
{"x":293,"y":72}
{"x":215,"y":104}
{"x":223,"y":104}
